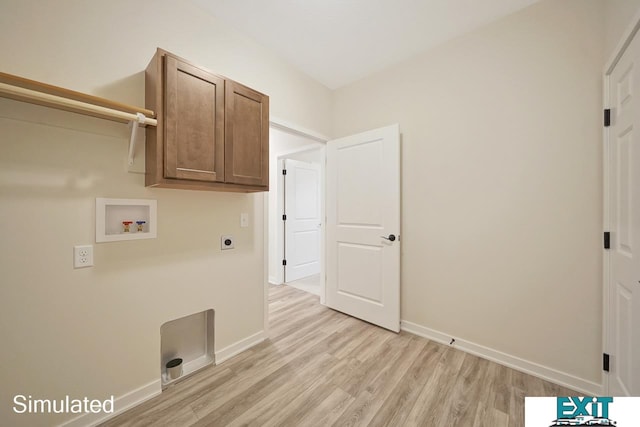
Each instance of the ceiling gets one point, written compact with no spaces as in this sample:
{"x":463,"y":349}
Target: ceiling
{"x":340,"y":41}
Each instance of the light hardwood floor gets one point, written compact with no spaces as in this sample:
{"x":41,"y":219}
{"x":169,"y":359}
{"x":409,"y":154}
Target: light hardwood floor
{"x":309,"y":284}
{"x":323,"y":368}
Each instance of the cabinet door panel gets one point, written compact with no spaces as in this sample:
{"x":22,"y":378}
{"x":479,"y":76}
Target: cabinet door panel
{"x":194,"y":123}
{"x":246,"y":136}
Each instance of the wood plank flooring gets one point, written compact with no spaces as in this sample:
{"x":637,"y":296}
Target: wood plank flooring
{"x":323,"y":368}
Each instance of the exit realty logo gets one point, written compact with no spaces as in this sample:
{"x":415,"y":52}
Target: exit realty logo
{"x":581,"y":411}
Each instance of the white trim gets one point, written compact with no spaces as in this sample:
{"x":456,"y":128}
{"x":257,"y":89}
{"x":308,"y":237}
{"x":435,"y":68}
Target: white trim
{"x":154,"y":388}
{"x":323,"y":234}
{"x":265,"y":262}
{"x":281,"y":124}
{"x":313,"y":146}
{"x":564,"y":379}
{"x":122,"y":404}
{"x":239,"y":346}
{"x":624,"y":42}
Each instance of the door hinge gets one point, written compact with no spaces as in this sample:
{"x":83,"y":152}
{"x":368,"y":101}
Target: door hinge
{"x":605,"y":362}
{"x":607,"y":240}
{"x":607,"y":117}
{"x":284,"y":171}
{"x":284,"y":217}
{"x":284,"y":262}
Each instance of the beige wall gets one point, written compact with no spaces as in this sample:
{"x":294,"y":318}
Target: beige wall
{"x":502,"y":182}
{"x":96,"y":332}
{"x":618,"y":16}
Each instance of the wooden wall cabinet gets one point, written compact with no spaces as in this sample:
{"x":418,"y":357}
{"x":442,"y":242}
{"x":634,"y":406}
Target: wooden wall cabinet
{"x":212,"y":133}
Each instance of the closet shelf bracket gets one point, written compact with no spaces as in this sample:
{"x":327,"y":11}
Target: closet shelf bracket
{"x":140,"y":119}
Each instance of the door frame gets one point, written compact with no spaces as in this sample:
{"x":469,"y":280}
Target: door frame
{"x":294,"y":129}
{"x":621,"y":48}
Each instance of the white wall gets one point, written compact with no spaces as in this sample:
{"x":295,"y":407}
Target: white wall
{"x":96,"y":332}
{"x":502,"y":183}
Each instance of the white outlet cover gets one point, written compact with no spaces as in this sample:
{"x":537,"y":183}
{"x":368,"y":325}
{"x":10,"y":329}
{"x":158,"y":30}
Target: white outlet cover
{"x":244,"y":219}
{"x":83,"y":256}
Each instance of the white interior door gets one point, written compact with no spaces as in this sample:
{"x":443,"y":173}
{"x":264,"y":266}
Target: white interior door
{"x":303,"y":222}
{"x":624,"y":199}
{"x":363,"y":226}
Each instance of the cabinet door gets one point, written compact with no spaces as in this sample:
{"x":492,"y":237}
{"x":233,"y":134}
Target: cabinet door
{"x":246,"y":135}
{"x":194,"y":123}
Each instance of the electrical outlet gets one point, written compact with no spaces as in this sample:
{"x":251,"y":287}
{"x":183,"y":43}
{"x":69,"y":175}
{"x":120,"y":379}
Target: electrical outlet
{"x":83,"y":256}
{"x":226,"y":242}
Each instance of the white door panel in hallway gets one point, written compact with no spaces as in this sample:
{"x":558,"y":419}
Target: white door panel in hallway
{"x":363,"y":226}
{"x":624,"y":217}
{"x":303,"y":222}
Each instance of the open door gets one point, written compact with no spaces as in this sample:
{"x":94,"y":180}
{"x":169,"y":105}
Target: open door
{"x":624,"y":223}
{"x":363,"y":226}
{"x":302,"y":219}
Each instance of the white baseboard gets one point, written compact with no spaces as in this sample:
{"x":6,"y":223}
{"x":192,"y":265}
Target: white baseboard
{"x":121,"y":404}
{"x":154,"y":388}
{"x":589,"y":388}
{"x":240,"y":346}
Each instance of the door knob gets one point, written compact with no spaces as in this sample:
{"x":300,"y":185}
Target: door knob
{"x":391,"y":237}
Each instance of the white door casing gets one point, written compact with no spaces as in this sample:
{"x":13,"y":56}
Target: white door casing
{"x":624,"y":225}
{"x":303,"y":222}
{"x":363,"y":211}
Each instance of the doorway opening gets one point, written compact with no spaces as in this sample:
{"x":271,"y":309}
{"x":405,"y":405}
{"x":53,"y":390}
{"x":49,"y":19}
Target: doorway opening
{"x":360,"y":220}
{"x":302,"y":219}
{"x":295,"y":212}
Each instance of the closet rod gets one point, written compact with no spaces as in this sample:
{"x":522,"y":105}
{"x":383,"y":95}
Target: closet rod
{"x":41,"y":98}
